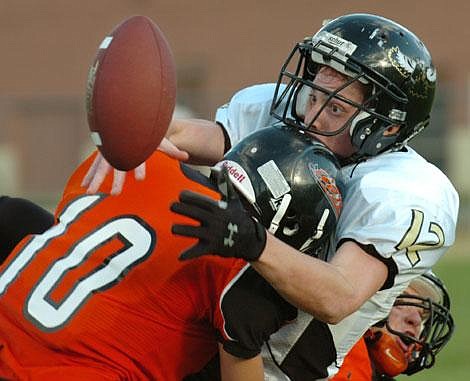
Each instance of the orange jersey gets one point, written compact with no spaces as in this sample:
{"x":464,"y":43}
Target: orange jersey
{"x":356,"y":365}
{"x":102,"y":294}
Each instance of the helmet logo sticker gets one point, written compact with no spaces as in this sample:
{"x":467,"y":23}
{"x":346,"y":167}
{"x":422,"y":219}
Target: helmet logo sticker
{"x":405,"y":65}
{"x":240,"y":179}
{"x":411,"y":68}
{"x":328,"y":185}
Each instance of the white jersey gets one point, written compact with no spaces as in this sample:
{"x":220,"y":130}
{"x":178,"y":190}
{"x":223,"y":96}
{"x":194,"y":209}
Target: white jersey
{"x":398,"y":204}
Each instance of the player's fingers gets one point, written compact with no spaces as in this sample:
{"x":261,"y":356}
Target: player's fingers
{"x":201,"y":233}
{"x":187,"y":230}
{"x":173,"y":151}
{"x":198,"y":199}
{"x":191,"y":211}
{"x":91,"y":171}
{"x":98,"y":177}
{"x":191,"y":253}
{"x":140,"y":172}
{"x":119,"y":177}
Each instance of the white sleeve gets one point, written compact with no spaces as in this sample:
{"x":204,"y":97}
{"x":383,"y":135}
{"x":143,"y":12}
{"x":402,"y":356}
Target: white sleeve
{"x":406,"y":210}
{"x":247,"y":111}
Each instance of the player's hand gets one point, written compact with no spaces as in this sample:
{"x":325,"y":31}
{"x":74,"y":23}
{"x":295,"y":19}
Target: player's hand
{"x":100,"y":169}
{"x":167,"y":147}
{"x":225,"y":229}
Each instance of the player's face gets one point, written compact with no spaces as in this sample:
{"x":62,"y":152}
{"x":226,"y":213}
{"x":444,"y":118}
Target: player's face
{"x":336,"y":113}
{"x":407,"y":319}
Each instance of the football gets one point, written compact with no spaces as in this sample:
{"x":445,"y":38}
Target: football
{"x":131,"y":92}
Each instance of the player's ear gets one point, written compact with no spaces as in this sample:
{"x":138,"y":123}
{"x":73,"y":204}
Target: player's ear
{"x":392,"y":130}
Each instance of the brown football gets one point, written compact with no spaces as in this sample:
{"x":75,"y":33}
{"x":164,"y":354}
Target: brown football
{"x":131,"y":92}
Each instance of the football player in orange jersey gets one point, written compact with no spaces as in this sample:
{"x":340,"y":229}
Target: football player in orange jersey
{"x":102,"y":295}
{"x":19,"y":217}
{"x":419,"y":326}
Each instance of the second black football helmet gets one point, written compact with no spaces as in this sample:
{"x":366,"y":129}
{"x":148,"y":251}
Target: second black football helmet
{"x":289,"y":182}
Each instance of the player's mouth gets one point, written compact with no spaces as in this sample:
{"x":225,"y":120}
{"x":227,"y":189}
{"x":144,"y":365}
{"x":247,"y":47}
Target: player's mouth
{"x":404,"y":347}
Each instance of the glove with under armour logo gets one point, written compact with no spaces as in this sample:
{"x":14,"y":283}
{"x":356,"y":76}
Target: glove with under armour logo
{"x":226,"y":229}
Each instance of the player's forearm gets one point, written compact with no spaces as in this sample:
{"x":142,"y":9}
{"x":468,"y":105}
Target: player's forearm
{"x":202,"y":139}
{"x":310,"y":284}
{"x":237,"y":369}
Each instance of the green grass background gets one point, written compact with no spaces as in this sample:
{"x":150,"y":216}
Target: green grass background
{"x":453,"y":362}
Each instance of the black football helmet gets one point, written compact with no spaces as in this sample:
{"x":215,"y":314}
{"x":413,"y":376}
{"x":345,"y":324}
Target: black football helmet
{"x":289,"y":183}
{"x":437,"y":327}
{"x":392,"y":63}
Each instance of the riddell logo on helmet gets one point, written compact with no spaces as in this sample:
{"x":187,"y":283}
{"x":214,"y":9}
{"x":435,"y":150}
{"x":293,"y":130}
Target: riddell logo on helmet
{"x":239,"y":178}
{"x":234,"y":172}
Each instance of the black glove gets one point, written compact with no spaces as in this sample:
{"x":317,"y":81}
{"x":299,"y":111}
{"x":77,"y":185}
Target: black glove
{"x":226,"y":229}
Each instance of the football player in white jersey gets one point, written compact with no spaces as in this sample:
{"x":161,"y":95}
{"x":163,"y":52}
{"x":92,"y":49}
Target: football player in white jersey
{"x":364,"y":86}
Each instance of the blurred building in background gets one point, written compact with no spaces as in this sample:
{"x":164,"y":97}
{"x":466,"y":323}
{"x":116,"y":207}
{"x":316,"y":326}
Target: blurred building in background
{"x":219,"y":47}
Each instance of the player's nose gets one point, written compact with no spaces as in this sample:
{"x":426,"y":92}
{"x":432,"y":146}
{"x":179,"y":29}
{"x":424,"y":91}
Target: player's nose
{"x":314,"y":117}
{"x":413,"y":321}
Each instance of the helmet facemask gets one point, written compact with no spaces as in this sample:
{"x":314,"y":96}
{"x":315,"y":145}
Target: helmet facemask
{"x":436,"y":330}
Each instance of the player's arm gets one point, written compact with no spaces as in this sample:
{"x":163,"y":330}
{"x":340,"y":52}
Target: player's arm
{"x":204,"y":141}
{"x":237,"y":369}
{"x":329,"y":291}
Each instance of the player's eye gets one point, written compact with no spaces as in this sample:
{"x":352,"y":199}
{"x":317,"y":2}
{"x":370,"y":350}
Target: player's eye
{"x":336,"y":108}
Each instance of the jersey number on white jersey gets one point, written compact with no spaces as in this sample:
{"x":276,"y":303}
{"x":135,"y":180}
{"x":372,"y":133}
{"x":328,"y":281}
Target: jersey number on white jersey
{"x":410,"y":239}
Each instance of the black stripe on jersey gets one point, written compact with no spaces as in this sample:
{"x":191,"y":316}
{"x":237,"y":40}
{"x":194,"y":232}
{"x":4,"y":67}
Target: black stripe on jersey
{"x":389,"y":262}
{"x":252,"y":311}
{"x":309,"y":357}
